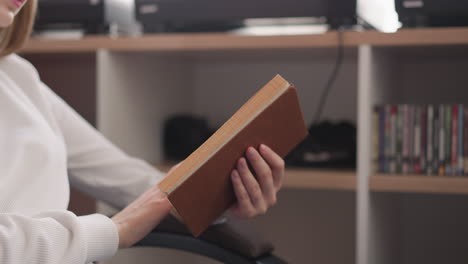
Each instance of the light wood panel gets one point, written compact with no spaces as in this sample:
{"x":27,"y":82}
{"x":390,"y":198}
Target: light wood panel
{"x":231,"y":41}
{"x":320,"y":179}
{"x":413,"y":37}
{"x":183,"y":42}
{"x":419,"y":184}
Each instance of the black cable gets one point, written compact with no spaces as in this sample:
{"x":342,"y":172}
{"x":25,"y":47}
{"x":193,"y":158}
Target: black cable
{"x":331,"y":80}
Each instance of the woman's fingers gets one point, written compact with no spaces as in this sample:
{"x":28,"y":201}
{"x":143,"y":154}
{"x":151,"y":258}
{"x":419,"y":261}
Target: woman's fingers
{"x":255,"y":194}
{"x":264,"y":175}
{"x":244,"y":206}
{"x":252,"y":186}
{"x":276,"y":163}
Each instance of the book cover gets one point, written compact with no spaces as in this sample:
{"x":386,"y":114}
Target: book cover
{"x":448,"y":140}
{"x":200,"y":188}
{"x":454,"y":139}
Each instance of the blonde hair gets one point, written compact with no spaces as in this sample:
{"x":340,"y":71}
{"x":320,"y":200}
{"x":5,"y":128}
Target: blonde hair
{"x":17,"y":34}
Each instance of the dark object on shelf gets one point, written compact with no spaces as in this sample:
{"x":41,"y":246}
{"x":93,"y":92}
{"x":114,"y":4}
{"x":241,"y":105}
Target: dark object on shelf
{"x":211,"y":15}
{"x":87,"y":15}
{"x":327,"y":146}
{"x":432,"y":13}
{"x":230,"y":242}
{"x":183,"y":134}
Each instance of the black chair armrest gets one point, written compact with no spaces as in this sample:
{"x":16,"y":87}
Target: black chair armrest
{"x":229,"y":242}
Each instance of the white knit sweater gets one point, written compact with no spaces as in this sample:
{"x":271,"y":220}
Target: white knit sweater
{"x":44,"y":147}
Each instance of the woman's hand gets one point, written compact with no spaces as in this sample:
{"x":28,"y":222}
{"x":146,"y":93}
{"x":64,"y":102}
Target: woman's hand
{"x":141,"y":216}
{"x":255,"y":194}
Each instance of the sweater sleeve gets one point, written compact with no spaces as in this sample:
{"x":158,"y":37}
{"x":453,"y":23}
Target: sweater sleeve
{"x":95,"y":165}
{"x":56,"y":237}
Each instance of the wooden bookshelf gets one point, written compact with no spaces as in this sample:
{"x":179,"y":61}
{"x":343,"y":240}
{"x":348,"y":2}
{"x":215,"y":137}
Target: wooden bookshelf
{"x":139,"y":87}
{"x":419,"y":184}
{"x":231,"y":41}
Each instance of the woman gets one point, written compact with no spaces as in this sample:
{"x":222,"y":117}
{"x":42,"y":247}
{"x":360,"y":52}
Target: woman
{"x":45,"y":146}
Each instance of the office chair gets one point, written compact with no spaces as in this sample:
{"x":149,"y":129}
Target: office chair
{"x":231,"y":242}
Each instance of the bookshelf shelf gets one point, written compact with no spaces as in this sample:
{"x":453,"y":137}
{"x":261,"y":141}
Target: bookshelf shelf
{"x":231,"y":41}
{"x":418,"y":184}
{"x":299,"y":178}
{"x":320,"y":179}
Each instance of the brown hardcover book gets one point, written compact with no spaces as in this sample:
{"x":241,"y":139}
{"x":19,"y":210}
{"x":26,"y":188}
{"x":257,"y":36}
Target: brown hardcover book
{"x":200,"y":188}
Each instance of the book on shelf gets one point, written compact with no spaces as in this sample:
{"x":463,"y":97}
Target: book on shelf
{"x":411,"y":138}
{"x":417,"y":140}
{"x":376,"y":139}
{"x":200,"y":188}
{"x":460,"y":167}
{"x":387,"y":145}
{"x":405,"y":149}
{"x":422,"y":158}
{"x":393,"y":136}
{"x":448,"y":139}
{"x":422,"y":139}
{"x":430,"y":140}
{"x":382,"y":140}
{"x":454,"y":139}
{"x":465,"y":141}
{"x":435,"y":140}
{"x":441,"y":139}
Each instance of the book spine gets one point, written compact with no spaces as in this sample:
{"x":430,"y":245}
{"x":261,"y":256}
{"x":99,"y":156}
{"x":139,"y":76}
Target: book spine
{"x":460,"y":140}
{"x":454,"y":138}
{"x":393,"y":136}
{"x":411,"y":126}
{"x":441,"y":140}
{"x":448,"y":140}
{"x":423,"y":145}
{"x":375,"y":139}
{"x":405,"y":139}
{"x":435,"y":141}
{"x":465,"y":141}
{"x":388,"y":138}
{"x":417,"y":141}
{"x":429,"y":140}
{"x":382,"y":139}
{"x":399,"y":147}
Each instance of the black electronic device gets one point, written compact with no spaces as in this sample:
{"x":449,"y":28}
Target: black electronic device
{"x":328,"y":145}
{"x":87,"y":15}
{"x":432,"y":13}
{"x":215,"y":15}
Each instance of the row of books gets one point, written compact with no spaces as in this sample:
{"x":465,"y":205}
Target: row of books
{"x":421,"y":139}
